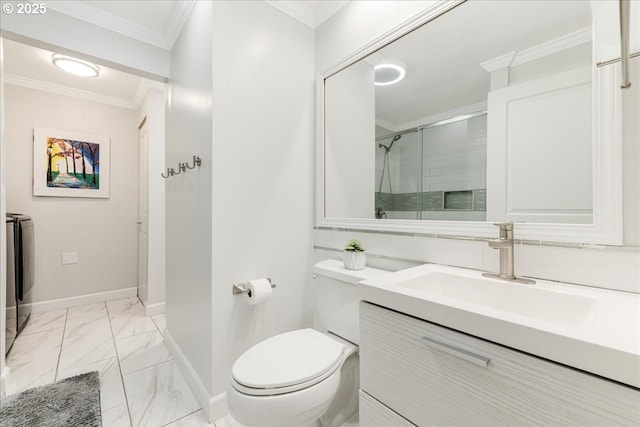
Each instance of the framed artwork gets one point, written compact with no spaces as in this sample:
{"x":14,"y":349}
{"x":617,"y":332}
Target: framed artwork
{"x":70,"y":164}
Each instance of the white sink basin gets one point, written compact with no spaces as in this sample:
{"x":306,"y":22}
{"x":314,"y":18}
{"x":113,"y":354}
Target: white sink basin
{"x":575,"y":325}
{"x":518,"y":299}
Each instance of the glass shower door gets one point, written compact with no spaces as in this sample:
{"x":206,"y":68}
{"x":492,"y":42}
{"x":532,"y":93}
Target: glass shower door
{"x":398,"y":176}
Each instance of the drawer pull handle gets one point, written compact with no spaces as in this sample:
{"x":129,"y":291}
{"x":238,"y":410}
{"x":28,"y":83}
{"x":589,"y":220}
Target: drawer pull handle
{"x":459,"y":352}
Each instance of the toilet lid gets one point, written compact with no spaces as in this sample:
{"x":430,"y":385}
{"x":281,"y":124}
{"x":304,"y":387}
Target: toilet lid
{"x":287,"y":359}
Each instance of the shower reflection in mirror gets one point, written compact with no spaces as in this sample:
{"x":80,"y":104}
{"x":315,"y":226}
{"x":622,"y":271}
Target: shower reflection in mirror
{"x":380,"y":199}
{"x":435,"y":171}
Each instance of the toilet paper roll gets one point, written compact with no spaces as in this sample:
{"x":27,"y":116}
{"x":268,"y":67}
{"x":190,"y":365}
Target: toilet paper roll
{"x":259,"y":291}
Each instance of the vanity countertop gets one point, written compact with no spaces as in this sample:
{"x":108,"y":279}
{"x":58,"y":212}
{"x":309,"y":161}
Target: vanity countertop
{"x":595,"y":330}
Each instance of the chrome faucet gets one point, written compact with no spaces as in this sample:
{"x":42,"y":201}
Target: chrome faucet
{"x":505,"y":245}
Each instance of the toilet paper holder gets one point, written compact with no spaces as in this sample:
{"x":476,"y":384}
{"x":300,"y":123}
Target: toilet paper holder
{"x":242,"y":288}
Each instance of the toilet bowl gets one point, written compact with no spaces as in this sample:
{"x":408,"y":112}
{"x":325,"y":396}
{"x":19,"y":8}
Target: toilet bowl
{"x":305,"y":377}
{"x":288,"y":380}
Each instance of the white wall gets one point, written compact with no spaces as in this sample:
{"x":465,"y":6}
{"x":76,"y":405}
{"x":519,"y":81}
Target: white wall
{"x":153,"y":109}
{"x":241,"y":97}
{"x":350,"y":124}
{"x":618,"y":268}
{"x":189,"y":307}
{"x":101,"y":231}
{"x":263,"y":86}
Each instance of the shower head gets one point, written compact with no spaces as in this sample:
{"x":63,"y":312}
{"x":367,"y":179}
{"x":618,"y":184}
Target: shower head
{"x":395,"y":138}
{"x":387,"y":149}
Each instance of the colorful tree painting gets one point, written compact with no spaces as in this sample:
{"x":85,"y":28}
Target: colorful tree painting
{"x":72,"y":164}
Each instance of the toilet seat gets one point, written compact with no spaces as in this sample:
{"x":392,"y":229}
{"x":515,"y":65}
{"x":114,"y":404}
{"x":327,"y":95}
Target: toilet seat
{"x":287,"y":363}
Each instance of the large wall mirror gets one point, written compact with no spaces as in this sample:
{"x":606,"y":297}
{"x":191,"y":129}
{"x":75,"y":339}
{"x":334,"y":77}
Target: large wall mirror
{"x":490,"y":112}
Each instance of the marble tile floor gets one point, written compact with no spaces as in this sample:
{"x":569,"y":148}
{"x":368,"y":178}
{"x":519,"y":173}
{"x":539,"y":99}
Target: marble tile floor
{"x":140,"y":384}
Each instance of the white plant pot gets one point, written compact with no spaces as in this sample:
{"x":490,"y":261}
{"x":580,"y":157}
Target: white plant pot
{"x":354,"y":260}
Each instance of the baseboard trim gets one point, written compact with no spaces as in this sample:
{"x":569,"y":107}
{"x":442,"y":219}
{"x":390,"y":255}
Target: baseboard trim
{"x":154,"y":309}
{"x":4,"y":380}
{"x":213,"y":407}
{"x":58,"y":304}
{"x":219,"y":408}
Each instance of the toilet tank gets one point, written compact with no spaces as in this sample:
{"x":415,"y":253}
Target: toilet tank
{"x":336,"y":298}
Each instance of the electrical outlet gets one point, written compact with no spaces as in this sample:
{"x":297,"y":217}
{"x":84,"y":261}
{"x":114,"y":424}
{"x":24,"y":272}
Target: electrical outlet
{"x":69,"y":258}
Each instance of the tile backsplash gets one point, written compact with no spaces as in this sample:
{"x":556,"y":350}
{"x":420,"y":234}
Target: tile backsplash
{"x":608,"y":267}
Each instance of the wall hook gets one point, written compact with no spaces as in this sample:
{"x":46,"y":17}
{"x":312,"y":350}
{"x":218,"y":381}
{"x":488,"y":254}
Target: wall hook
{"x":182,"y":167}
{"x":197,"y":161}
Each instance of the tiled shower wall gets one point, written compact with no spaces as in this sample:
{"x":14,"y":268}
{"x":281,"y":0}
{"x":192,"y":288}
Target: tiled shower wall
{"x":453,"y":162}
{"x":461,"y":205}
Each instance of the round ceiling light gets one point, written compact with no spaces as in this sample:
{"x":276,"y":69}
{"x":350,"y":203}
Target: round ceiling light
{"x":75,"y":66}
{"x":388,"y":73}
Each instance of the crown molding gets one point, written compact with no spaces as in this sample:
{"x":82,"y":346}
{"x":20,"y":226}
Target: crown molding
{"x":182,"y":10}
{"x":131,"y":104}
{"x":111,"y":22}
{"x":299,"y":10}
{"x":326,"y":9}
{"x":141,"y":91}
{"x":128,"y":28}
{"x":513,"y":59}
{"x":502,"y":61}
{"x":296,"y":10}
{"x":567,"y":41}
{"x":307,"y":14}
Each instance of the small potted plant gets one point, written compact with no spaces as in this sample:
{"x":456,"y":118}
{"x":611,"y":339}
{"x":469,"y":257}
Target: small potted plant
{"x":354,"y":256}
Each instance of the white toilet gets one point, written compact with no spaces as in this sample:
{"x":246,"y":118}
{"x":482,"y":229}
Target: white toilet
{"x":306,"y":377}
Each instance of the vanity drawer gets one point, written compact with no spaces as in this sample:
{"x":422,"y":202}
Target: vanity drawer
{"x":436,"y":376}
{"x":375,"y":414}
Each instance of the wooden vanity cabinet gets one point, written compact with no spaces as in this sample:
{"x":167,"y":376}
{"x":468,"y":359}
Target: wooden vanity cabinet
{"x":413,"y":372}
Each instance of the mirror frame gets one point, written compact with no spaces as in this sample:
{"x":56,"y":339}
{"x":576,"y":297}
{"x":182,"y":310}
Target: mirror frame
{"x":606,"y":228}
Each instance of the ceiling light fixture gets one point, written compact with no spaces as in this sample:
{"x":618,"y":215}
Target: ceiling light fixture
{"x":388,"y":73}
{"x":75,"y":66}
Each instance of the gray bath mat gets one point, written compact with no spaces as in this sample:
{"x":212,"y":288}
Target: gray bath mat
{"x":72,"y":402}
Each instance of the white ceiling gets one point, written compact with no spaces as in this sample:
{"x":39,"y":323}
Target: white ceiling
{"x":443,"y":58}
{"x":32,"y":67}
{"x":450,"y":49}
{"x":156,"y":22}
